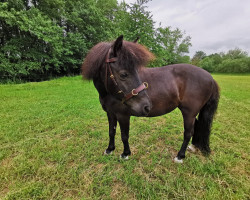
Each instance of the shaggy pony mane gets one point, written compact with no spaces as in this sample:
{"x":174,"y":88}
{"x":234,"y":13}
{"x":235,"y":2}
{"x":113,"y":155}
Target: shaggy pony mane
{"x":130,"y":55}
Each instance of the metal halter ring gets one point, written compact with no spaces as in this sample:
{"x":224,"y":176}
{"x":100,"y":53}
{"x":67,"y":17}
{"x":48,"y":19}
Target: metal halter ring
{"x":134,"y":94}
{"x":145,"y":84}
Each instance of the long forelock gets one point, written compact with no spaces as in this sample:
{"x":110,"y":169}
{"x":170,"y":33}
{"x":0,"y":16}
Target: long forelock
{"x":133,"y":55}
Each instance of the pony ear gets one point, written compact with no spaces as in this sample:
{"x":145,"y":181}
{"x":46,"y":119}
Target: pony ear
{"x":136,"y":40}
{"x":118,"y":45}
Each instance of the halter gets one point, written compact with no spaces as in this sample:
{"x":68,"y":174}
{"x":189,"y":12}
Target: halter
{"x":133,"y":92}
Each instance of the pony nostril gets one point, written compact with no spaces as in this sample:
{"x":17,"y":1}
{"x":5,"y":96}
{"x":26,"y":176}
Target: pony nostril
{"x":146,"y":109}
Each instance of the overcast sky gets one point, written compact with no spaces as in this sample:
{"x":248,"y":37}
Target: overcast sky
{"x":214,"y":25}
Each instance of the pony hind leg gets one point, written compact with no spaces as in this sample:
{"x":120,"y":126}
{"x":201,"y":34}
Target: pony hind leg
{"x":202,"y":127}
{"x":192,"y":148}
{"x":188,"y":133}
{"x":112,"y":131}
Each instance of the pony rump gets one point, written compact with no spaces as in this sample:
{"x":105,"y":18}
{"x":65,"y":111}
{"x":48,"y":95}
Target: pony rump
{"x":130,"y":55}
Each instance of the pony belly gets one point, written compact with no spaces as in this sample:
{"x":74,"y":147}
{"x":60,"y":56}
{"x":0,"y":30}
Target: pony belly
{"x":160,"y":110}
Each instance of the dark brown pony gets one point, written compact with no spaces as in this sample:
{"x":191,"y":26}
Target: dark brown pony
{"x":126,"y":88}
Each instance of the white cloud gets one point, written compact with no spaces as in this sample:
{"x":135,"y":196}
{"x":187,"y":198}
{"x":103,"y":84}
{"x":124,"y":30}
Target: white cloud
{"x":214,"y":25}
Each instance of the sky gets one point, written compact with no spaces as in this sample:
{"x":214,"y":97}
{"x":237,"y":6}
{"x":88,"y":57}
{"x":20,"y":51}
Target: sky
{"x":214,"y":25}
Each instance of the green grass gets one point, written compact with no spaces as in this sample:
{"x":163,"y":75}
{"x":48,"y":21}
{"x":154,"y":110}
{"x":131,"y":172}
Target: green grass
{"x":53,"y":134}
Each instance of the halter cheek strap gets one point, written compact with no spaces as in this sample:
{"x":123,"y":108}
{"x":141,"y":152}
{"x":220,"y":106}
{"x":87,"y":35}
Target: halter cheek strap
{"x":133,"y":92}
{"x":108,"y":68}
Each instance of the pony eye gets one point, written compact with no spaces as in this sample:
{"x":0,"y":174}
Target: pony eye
{"x":124,"y":75}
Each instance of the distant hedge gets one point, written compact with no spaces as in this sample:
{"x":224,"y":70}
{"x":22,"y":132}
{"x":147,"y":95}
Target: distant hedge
{"x":234,"y":61}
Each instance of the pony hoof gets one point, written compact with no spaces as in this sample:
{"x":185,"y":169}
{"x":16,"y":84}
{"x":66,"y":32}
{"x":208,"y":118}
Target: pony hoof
{"x":192,"y":148}
{"x":107,"y":152}
{"x":123,"y":157}
{"x":176,"y":160}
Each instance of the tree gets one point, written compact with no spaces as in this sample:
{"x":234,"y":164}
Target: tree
{"x":134,"y":20}
{"x":47,"y":38}
{"x":198,"y":56}
{"x":235,"y":54}
{"x":41,"y":39}
{"x":234,"y":61}
{"x":240,"y":65}
{"x":217,"y":58}
{"x":208,"y":64}
{"x":170,"y":46}
{"x":32,"y":43}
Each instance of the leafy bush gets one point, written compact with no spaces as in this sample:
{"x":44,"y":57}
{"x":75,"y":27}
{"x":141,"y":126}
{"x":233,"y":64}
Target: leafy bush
{"x":207,"y":64}
{"x":234,"y":61}
{"x":241,"y":65}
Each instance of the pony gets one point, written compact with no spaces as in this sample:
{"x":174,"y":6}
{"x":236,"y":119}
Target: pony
{"x":128,"y":88}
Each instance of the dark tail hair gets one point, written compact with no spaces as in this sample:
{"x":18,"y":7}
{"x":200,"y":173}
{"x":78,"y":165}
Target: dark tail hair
{"x":202,"y":126}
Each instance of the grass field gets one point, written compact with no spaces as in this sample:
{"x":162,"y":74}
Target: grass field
{"x":53,"y":134}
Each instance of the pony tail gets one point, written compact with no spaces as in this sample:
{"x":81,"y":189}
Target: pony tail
{"x":202,"y":127}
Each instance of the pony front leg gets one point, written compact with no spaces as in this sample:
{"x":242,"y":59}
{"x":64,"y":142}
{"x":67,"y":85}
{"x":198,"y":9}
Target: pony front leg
{"x":188,"y":133}
{"x":124,"y":125}
{"x":112,"y":131}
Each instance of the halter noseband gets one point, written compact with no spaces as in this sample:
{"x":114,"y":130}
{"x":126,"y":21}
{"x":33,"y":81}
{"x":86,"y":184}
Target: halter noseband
{"x":133,"y":92}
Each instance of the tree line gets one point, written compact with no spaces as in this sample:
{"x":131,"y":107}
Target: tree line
{"x":234,"y":61}
{"x":44,"y":38}
{"x":40,"y":39}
